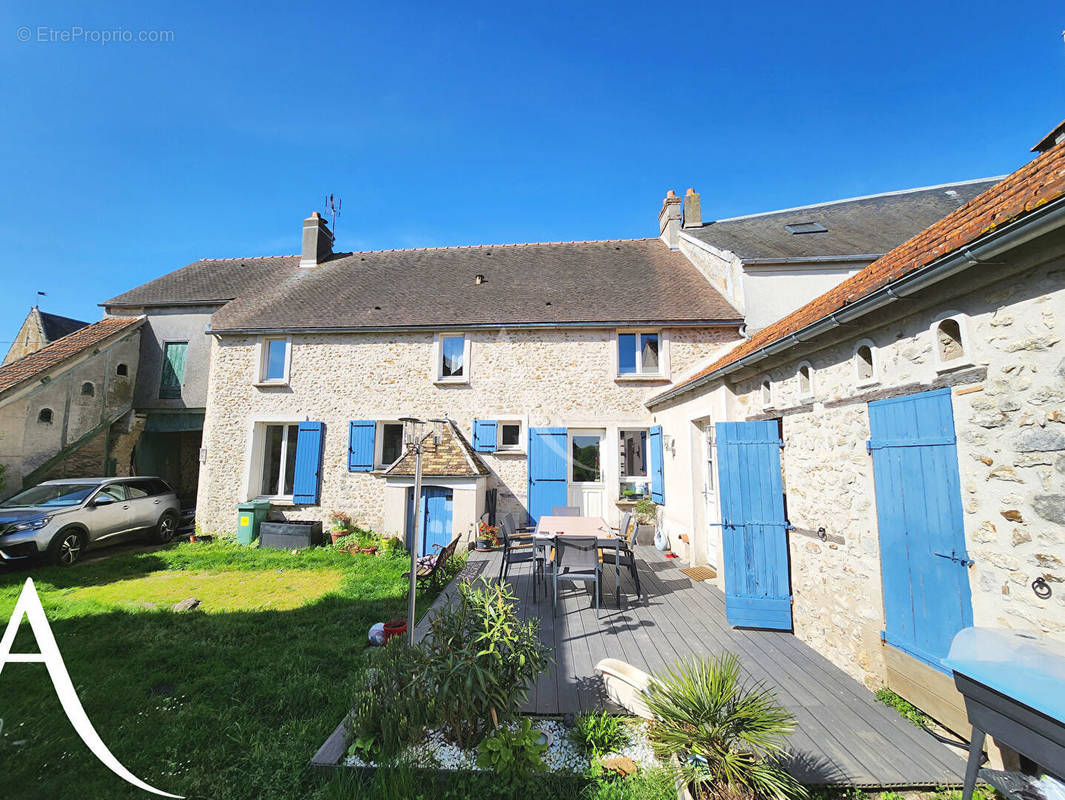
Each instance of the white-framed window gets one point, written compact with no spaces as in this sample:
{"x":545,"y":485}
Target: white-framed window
{"x":509,"y":435}
{"x":805,"y":374}
{"x":765,"y":392}
{"x":451,"y":358}
{"x":950,"y":341}
{"x":388,"y":443}
{"x":275,"y":464}
{"x":865,"y":366}
{"x":275,"y":360}
{"x":635,"y":481}
{"x":642,"y":354}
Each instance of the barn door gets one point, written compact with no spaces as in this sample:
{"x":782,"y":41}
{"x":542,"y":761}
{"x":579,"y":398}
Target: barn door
{"x":754,"y":535}
{"x":547,"y":470}
{"x":923,"y":562}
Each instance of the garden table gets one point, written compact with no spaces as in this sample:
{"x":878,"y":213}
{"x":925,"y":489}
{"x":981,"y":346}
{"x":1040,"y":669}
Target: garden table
{"x":550,"y":528}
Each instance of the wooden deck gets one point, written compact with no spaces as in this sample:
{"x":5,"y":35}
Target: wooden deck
{"x":843,"y":737}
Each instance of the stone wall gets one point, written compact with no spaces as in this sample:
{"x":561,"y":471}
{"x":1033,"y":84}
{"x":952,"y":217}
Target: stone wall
{"x":547,"y":377}
{"x":1008,"y":394}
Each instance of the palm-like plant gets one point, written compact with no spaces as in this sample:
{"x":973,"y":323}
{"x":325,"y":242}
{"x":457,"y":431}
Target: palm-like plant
{"x":729,"y":733}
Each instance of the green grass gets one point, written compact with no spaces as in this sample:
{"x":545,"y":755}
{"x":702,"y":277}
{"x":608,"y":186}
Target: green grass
{"x":228,"y":701}
{"x":906,"y":709}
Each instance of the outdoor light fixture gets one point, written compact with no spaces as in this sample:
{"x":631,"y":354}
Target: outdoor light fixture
{"x":413,"y":439}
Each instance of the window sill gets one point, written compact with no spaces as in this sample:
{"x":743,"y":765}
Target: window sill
{"x":270,"y":384}
{"x":452,"y":382}
{"x":640,"y":378}
{"x":866,"y":384}
{"x":276,"y":500}
{"x":509,"y":452}
{"x":953,"y":366}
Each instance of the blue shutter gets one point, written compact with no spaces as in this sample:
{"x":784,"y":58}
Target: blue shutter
{"x":547,"y":470}
{"x":484,"y":435}
{"x":754,"y":536}
{"x":308,"y":463}
{"x":658,"y":478}
{"x":361,"y":445}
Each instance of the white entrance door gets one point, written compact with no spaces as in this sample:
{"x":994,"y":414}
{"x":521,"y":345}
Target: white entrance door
{"x":586,"y":487}
{"x":710,"y":504}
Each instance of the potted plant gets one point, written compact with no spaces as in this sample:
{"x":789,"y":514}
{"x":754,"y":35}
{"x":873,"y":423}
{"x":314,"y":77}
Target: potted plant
{"x":646,"y":520}
{"x":369,"y":542}
{"x":487,"y":537}
{"x":339,"y":525}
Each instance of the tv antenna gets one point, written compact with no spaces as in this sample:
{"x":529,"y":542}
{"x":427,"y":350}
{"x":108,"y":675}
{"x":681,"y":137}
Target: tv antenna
{"x":332,"y":204}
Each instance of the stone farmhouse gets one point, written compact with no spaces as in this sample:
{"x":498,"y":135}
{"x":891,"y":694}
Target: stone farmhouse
{"x":890,"y":457}
{"x":853,"y":411}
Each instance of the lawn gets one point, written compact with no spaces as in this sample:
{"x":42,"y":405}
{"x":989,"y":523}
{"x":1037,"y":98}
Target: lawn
{"x":227,"y":701}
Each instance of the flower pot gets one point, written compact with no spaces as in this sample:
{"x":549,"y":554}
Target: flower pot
{"x":483,"y":545}
{"x":335,"y":535}
{"x":369,"y":550}
{"x":395,"y":628}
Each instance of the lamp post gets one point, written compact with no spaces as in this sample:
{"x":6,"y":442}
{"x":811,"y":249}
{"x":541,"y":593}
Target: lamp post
{"x":413,"y":440}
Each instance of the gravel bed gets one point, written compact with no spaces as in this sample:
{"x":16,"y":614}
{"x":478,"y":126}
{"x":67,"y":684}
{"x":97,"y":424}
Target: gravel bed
{"x":561,"y":756}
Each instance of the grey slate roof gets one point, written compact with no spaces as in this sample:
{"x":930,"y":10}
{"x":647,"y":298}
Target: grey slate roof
{"x":208,"y":281}
{"x":870,"y":225}
{"x":56,"y":327}
{"x":628,"y":281}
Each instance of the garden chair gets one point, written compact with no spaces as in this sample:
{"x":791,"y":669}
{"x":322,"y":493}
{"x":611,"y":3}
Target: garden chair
{"x":431,"y":573}
{"x":577,"y":561}
{"x":566,"y":511}
{"x":623,"y":555}
{"x":517,"y":550}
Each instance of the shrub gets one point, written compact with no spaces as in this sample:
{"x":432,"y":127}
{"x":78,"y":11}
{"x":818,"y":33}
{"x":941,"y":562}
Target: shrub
{"x":597,"y":734}
{"x":512,"y":754}
{"x":727,"y":734}
{"x":394,"y":704}
{"x":482,"y":659}
{"x":905,"y":708}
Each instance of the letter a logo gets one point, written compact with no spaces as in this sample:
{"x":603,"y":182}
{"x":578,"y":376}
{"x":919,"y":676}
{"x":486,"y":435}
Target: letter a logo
{"x":29,"y":604}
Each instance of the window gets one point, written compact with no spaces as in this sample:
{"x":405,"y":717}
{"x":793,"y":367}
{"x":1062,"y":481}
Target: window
{"x":279,"y":459}
{"x":949,"y":333}
{"x":585,"y":458}
{"x":275,"y":361}
{"x":45,"y":416}
{"x":116,"y":491}
{"x":633,"y":459}
{"x":639,"y":354}
{"x":806,"y":381}
{"x":173,"y":373}
{"x":509,"y":436}
{"x":87,"y":389}
{"x":453,"y":359}
{"x":864,"y":363}
{"x":122,"y":370}
{"x":135,"y":490}
{"x":766,"y":391}
{"x":391,"y":439}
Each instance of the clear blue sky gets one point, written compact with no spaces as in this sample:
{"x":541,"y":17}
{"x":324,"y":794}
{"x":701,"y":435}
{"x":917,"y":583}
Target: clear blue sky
{"x":442,"y":126}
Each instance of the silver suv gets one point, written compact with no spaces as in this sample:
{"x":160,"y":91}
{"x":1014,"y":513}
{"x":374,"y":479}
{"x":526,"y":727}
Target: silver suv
{"x":62,"y":518}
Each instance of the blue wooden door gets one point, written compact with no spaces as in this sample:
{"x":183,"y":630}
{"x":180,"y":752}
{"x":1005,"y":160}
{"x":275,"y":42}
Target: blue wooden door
{"x":547,"y":470}
{"x":435,"y":512}
{"x":923,"y":563}
{"x":754,"y":533}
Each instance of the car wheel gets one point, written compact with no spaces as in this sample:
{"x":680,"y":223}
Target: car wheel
{"x":67,"y":547}
{"x":165,"y":529}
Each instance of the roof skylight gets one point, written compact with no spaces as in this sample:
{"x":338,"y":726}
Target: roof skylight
{"x":805,"y":227}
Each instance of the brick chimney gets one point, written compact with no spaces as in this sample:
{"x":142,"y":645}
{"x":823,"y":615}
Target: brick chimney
{"x":669,"y":220}
{"x":693,"y":210}
{"x":317,"y":241}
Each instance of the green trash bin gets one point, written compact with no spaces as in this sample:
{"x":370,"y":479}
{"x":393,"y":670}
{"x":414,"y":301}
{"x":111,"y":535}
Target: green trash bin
{"x":250,"y":515}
